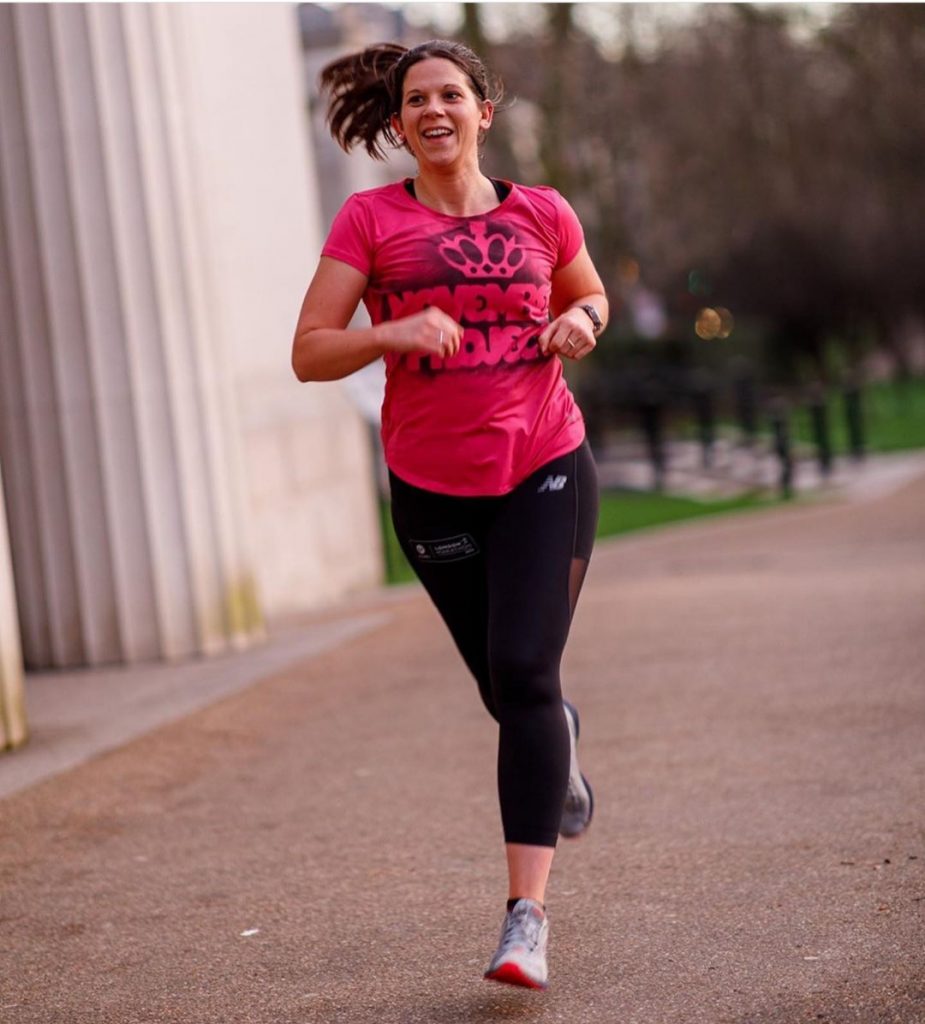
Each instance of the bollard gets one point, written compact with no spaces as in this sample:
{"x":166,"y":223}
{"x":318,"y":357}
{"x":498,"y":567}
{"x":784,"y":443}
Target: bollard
{"x":782,"y":449}
{"x":854,"y":419}
{"x":819,"y":422}
{"x":706,"y":424}
{"x":650,"y":415}
{"x":746,"y":402}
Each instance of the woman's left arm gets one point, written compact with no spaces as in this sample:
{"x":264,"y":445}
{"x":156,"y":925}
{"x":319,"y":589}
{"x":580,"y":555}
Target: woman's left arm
{"x":571,"y":331}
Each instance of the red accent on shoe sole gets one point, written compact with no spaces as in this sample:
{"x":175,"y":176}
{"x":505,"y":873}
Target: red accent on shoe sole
{"x":511,"y":974}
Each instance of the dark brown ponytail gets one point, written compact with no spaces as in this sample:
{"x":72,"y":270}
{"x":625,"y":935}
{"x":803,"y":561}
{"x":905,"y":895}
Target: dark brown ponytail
{"x":361,"y":103}
{"x":366,"y":89}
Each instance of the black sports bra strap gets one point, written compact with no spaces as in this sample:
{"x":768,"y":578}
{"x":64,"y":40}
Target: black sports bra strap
{"x":502,"y":188}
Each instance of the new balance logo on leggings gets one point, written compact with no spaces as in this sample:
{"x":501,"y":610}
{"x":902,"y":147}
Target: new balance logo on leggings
{"x":552,"y":483}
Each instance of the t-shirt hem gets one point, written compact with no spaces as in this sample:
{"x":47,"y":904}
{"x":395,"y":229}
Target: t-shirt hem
{"x":567,"y":445}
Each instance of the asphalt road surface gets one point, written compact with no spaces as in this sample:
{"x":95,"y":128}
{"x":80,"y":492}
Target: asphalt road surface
{"x":324,"y":846}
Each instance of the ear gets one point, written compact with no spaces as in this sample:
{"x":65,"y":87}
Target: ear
{"x":395,"y":125}
{"x":488,"y":112}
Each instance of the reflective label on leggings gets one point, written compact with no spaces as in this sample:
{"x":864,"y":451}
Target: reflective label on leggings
{"x":448,"y":549}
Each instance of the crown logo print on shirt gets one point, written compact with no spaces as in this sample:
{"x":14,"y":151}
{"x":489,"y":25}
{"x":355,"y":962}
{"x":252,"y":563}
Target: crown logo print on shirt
{"x":479,"y":254}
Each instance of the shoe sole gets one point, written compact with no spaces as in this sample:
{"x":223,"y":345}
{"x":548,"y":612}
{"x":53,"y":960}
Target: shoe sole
{"x":584,"y":779}
{"x":511,"y":974}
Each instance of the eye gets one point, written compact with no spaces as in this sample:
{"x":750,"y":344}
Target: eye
{"x":413,"y":100}
{"x":452,"y":94}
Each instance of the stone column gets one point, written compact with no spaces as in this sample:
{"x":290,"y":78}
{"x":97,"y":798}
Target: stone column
{"x":13,"y":730}
{"x":117,"y":433}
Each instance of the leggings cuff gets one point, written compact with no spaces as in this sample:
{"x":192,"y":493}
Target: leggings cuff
{"x":550,"y":839}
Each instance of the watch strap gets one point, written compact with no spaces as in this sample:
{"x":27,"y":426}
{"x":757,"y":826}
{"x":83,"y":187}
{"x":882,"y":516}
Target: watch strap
{"x":595,"y":317}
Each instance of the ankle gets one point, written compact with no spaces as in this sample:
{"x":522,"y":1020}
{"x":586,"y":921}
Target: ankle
{"x":516,"y":899}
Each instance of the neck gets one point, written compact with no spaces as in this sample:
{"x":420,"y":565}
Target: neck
{"x":459,"y":193}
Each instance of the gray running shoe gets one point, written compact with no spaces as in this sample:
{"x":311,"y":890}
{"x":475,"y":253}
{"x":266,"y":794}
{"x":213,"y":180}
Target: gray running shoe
{"x":521,"y":955}
{"x":579,"y":800}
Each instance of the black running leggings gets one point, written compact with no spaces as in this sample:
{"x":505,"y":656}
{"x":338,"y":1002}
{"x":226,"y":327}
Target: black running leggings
{"x":504,"y":573}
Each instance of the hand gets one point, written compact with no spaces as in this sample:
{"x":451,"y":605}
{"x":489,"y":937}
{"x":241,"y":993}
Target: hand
{"x":570,"y":335}
{"x":431,"y":331}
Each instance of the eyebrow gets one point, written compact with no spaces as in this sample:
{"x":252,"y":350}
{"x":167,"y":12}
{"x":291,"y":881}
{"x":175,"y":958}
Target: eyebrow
{"x":448,"y":85}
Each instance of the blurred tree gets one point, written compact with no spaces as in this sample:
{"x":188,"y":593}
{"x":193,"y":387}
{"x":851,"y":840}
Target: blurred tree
{"x":473,"y":35}
{"x":779,"y":163}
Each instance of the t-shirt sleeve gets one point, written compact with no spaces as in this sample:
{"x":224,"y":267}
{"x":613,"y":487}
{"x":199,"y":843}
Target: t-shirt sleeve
{"x":350,"y":238}
{"x":571,"y":236}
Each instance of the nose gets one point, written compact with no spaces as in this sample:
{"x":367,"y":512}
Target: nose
{"x":434,"y":105}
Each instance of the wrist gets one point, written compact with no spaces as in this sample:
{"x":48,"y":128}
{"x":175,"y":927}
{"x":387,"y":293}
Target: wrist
{"x":381,"y":336}
{"x":590,"y":312}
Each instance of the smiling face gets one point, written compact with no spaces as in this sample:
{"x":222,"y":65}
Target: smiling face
{"x":441,"y":116}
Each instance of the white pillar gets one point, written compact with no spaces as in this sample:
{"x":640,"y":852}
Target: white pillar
{"x":13,"y":730}
{"x":116,"y":432}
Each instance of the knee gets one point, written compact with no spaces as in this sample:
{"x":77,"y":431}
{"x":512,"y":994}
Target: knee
{"x":525,"y":676}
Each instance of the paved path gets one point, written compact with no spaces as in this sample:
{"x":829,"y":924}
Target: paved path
{"x":324,"y":846}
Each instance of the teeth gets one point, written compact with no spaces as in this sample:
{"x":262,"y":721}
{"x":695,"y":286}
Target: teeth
{"x":434,"y":132}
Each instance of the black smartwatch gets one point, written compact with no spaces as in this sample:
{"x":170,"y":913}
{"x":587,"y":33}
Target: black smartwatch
{"x":596,"y":321}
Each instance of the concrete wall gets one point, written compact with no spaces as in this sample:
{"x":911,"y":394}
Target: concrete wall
{"x":306,"y":452}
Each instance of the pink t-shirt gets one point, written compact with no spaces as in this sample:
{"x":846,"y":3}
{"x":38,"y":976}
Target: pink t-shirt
{"x":482,"y":421}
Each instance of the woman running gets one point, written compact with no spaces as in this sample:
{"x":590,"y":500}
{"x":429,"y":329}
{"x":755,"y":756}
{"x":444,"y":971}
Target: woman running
{"x":476,"y":289}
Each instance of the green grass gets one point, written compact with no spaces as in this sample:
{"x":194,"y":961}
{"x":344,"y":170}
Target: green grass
{"x":893,"y":419}
{"x":397,"y":569}
{"x":893,"y":412}
{"x":625,"y":511}
{"x":621,"y":512}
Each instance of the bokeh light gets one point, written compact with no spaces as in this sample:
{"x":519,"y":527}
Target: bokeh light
{"x":727,"y":322}
{"x":713,"y":323}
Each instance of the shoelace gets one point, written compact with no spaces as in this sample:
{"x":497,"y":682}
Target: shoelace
{"x":522,"y":927}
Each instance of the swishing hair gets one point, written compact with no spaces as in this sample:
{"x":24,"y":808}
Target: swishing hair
{"x":366,"y":89}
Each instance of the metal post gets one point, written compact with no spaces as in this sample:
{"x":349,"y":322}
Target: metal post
{"x":782,"y":447}
{"x":819,"y":421}
{"x":705,"y":414}
{"x":651,"y":408}
{"x":747,"y":408}
{"x":854,"y":418}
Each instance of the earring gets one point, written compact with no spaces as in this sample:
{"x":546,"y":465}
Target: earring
{"x":400,"y":137}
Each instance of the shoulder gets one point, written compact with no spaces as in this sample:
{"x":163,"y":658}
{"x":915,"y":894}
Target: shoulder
{"x":547,"y":206}
{"x":365,"y":212}
{"x":539,"y":193}
{"x":552,"y":212}
{"x":364,"y":222}
{"x":370,"y":198}
{"x":555,"y":219}
{"x":375,"y":210}
{"x":543,"y":198}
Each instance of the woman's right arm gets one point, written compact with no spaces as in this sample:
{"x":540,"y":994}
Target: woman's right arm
{"x":325,"y":349}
